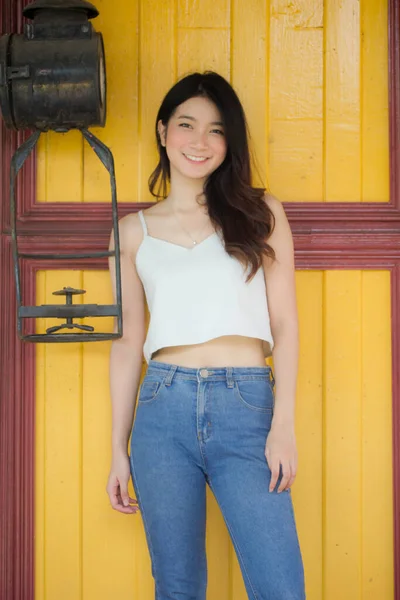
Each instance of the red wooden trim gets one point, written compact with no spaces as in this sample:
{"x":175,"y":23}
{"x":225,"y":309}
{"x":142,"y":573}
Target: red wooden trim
{"x":360,"y":251}
{"x":17,"y":397}
{"x":17,"y":446}
{"x":316,"y":217}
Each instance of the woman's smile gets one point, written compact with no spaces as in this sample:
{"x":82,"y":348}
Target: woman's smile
{"x":198,"y":159}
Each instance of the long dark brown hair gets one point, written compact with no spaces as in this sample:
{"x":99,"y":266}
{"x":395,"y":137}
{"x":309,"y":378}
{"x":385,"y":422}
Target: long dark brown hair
{"x":234,"y":206}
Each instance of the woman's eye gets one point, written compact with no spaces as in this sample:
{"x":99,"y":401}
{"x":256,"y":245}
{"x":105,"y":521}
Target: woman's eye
{"x":218,"y":131}
{"x":184,"y":125}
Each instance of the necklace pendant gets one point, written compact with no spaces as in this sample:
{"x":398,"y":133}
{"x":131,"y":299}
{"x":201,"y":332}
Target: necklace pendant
{"x":194,"y":242}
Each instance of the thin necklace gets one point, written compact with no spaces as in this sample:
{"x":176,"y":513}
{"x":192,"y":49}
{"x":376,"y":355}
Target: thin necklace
{"x":185,"y":230}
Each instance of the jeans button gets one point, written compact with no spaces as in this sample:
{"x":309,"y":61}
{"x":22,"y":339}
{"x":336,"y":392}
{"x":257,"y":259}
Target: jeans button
{"x":204,"y":372}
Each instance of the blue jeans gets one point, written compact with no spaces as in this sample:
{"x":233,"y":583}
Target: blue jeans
{"x":209,"y":426}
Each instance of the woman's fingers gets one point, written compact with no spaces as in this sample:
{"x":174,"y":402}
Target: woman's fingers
{"x":117,"y":501}
{"x":123,"y":486}
{"x":126,"y":509}
{"x":286,"y":476}
{"x":274,"y":466}
{"x":288,"y":473}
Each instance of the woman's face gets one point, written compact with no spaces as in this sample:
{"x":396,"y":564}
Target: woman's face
{"x":194,"y":139}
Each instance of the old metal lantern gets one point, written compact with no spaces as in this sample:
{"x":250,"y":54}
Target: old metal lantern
{"x":52,"y":77}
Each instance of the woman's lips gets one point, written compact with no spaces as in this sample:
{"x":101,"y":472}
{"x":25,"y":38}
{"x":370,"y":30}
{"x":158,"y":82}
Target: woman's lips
{"x":196,"y":162}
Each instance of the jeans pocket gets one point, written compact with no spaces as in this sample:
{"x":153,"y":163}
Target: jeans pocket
{"x":149,"y":391}
{"x":256,"y":394}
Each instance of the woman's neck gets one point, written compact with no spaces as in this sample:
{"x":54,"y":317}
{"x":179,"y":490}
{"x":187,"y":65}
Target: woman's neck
{"x":185,"y":194}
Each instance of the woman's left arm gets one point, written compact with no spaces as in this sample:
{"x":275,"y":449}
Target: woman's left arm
{"x":280,"y":449}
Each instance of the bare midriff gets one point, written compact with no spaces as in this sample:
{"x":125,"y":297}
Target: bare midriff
{"x":228,"y":350}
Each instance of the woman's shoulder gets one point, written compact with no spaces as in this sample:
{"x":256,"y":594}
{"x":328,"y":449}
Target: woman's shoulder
{"x":131,"y":226}
{"x":129,"y":223}
{"x":158,"y":218}
{"x":281,"y":237}
{"x":277,"y":209}
{"x":130,"y":231}
{"x":273,"y":203}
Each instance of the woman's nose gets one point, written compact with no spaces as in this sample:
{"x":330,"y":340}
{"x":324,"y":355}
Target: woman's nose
{"x":199,"y":140}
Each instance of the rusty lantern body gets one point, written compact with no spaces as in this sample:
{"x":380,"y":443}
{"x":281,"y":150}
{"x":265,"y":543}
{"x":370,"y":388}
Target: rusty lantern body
{"x":52,"y":77}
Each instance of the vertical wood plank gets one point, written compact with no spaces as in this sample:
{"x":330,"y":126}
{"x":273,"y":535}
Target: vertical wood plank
{"x":157,"y":73}
{"x":41,"y":169}
{"x":342,"y":435}
{"x":296,"y":100}
{"x":342,"y":101}
{"x":376,"y":466}
{"x":308,"y":488}
{"x":374,"y":101}
{"x":249,"y":76}
{"x":119,"y":24}
{"x":63,"y":448}
{"x":206,"y":14}
{"x":64,"y":167}
{"x":203,"y":49}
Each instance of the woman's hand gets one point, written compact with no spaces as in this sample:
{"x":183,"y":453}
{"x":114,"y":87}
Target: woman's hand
{"x":280,"y":449}
{"x":117,"y":485}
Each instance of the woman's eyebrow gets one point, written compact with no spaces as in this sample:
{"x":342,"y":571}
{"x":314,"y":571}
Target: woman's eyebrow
{"x":193,"y":119}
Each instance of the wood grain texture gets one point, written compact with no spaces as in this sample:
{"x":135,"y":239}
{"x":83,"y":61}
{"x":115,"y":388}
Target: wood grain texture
{"x":374,"y":100}
{"x":342,"y":435}
{"x":296,"y":91}
{"x":342,"y":101}
{"x":203,"y":50}
{"x":250,"y":77}
{"x":376,"y":432}
{"x":204,"y":14}
{"x":157,"y":72}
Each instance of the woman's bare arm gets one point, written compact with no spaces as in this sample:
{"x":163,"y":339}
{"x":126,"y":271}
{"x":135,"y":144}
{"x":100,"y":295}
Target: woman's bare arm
{"x":281,"y":448}
{"x":126,"y":358}
{"x":126,"y":355}
{"x":282,"y":304}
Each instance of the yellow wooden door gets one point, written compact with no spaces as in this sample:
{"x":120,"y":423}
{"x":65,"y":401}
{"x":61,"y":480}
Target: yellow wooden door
{"x":312,"y":76}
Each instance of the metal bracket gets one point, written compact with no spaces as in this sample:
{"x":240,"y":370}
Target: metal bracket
{"x":67,"y":311}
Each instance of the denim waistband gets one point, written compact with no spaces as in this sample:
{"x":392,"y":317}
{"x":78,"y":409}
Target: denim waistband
{"x":228,"y":374}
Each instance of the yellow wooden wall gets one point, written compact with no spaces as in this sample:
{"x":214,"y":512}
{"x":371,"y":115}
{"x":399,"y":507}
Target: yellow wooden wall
{"x":312,"y":76}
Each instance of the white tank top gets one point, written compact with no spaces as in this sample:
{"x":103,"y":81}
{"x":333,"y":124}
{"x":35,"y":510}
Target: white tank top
{"x":197,"y":294}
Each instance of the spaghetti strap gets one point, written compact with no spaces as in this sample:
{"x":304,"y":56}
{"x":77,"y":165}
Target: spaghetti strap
{"x":144,"y":226}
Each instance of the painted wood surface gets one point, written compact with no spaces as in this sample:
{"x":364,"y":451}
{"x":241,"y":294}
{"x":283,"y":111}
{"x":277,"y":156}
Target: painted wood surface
{"x":313,"y":83}
{"x":314,"y":86}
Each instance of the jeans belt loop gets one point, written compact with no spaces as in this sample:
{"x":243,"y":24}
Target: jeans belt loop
{"x":229,"y":377}
{"x":170,"y":374}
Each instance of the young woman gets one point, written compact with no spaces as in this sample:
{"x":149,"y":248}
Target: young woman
{"x":214,"y":260}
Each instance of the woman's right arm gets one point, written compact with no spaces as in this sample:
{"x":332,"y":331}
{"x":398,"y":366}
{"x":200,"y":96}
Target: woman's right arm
{"x":126,"y":358}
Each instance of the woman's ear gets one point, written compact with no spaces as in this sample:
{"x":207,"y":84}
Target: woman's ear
{"x":162,"y":132}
